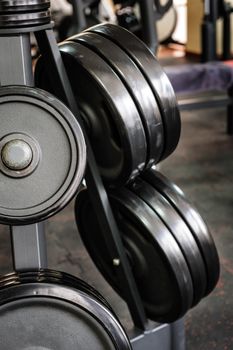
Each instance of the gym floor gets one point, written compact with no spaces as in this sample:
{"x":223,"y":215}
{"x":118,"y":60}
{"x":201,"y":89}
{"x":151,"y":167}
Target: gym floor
{"x":202,"y":166}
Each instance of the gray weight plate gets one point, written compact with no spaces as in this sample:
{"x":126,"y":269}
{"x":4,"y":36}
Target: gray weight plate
{"x":43,"y":155}
{"x":137,"y":86}
{"x":155,"y":76}
{"x":43,"y":314}
{"x":113,"y":123}
{"x":158,"y":265}
{"x":24,"y":19}
{"x":193,"y":220}
{"x":51,"y":276}
{"x":179,"y":230}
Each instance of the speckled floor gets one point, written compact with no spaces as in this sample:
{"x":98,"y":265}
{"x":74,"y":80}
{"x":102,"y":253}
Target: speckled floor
{"x":202,"y":166}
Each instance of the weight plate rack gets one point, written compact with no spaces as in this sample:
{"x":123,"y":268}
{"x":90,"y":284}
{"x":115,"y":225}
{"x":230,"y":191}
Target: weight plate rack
{"x":31,"y":264}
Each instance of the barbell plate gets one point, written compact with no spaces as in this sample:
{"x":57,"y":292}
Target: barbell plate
{"x":46,"y":314}
{"x":137,"y":86}
{"x":180,"y":232}
{"x":37,"y":184}
{"x":155,"y":76}
{"x":158,"y":265}
{"x":193,"y":220}
{"x":114,"y":126}
{"x":51,"y":276}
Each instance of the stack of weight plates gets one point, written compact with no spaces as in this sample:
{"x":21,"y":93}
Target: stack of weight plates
{"x":24,"y":13}
{"x":127,"y":102}
{"x":172,"y":254}
{"x":130,"y":115}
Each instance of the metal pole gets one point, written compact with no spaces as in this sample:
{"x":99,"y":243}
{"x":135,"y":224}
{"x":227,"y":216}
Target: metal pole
{"x":28,"y":242}
{"x":208,"y":31}
{"x":149,"y":32}
{"x":226,"y":52}
{"x":28,"y":247}
{"x":79,"y":20}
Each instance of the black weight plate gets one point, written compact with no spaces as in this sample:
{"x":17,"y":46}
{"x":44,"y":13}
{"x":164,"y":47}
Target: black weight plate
{"x":57,"y":155}
{"x":158,"y":265}
{"x":179,"y":230}
{"x":193,"y":220}
{"x":155,"y":77}
{"x":137,"y":86}
{"x":45,"y":314}
{"x":115,"y":129}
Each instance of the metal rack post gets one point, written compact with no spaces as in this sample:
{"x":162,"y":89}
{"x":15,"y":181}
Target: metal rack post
{"x":208,"y":31}
{"x":28,"y":242}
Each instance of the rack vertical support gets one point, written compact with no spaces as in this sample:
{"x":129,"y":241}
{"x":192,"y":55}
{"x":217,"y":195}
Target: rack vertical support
{"x":28,"y":242}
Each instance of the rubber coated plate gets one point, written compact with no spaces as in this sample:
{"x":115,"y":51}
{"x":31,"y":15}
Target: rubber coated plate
{"x":155,"y":77}
{"x":57,"y":155}
{"x":158,"y":264}
{"x":137,"y":86}
{"x":179,"y":230}
{"x":194,"y":221}
{"x":47,"y":315}
{"x":114,"y":126}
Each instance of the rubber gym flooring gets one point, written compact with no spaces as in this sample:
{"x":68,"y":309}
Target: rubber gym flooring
{"x":202,"y":166}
